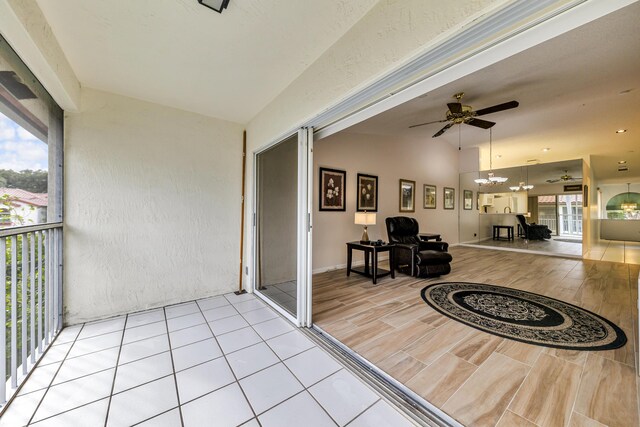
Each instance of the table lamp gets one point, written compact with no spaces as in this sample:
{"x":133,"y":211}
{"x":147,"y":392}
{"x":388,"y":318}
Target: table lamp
{"x":364,"y":218}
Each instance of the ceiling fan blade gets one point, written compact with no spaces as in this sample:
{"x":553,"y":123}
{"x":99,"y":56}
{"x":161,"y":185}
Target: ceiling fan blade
{"x":551,"y":181}
{"x":484,"y":124}
{"x":455,"y":107}
{"x":428,"y":123}
{"x":496,"y":108}
{"x":443,"y":130}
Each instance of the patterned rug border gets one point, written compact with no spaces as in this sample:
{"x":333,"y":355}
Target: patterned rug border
{"x":620,"y":341}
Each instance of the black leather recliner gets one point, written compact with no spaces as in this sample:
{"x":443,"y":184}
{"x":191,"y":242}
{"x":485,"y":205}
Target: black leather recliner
{"x":533,"y":231}
{"x":413,"y":256}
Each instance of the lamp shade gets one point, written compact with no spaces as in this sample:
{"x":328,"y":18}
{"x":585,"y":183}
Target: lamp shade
{"x":365,"y":218}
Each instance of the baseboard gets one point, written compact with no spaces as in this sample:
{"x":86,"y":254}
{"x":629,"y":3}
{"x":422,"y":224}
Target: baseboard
{"x":524,"y":251}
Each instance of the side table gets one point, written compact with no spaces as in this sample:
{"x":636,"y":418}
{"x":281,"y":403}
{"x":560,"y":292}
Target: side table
{"x":370,"y":251}
{"x":430,"y":236}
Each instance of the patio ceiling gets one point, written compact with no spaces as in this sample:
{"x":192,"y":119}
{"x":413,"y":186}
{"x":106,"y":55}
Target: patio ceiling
{"x":180,"y":54}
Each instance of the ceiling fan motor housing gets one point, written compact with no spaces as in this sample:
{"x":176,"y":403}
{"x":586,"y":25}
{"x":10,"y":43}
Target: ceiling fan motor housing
{"x":461,"y":117}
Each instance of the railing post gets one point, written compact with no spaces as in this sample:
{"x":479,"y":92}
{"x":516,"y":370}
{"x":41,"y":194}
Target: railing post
{"x":3,"y":326}
{"x":47,"y":274}
{"x":59,"y":273}
{"x":14,"y":311}
{"x":32,"y":300}
{"x":56,"y":281}
{"x":40,"y":234}
{"x":24,"y":267}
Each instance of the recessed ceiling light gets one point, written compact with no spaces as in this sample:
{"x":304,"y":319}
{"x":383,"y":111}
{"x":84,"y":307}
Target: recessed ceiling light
{"x":621,"y":131}
{"x":546,"y":149}
{"x":622,"y":162}
{"x":498,"y":156}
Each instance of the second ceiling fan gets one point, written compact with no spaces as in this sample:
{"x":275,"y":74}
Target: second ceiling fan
{"x":458,"y":114}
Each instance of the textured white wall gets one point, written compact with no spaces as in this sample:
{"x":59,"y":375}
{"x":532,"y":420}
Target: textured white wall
{"x":386,"y":37}
{"x":152,"y":206}
{"x":425,"y":162}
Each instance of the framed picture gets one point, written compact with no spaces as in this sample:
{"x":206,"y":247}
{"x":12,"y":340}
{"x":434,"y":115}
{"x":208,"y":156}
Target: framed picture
{"x":332,"y":189}
{"x":468,"y":200}
{"x":367,"y":193}
{"x":449,"y":198}
{"x":407,"y":195}
{"x":429,"y":196}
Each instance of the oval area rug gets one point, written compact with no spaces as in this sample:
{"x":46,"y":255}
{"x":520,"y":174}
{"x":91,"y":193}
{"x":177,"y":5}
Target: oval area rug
{"x":524,"y":316}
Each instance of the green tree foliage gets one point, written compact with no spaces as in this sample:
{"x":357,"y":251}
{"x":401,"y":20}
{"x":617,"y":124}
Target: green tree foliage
{"x":30,"y":180}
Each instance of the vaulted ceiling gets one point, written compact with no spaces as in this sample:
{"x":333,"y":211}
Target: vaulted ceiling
{"x":574,"y":91}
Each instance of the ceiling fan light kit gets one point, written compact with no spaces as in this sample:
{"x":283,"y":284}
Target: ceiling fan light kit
{"x":564,"y":178}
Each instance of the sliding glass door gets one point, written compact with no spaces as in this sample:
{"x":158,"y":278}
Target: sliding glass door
{"x":282,"y":226}
{"x":570,"y":214}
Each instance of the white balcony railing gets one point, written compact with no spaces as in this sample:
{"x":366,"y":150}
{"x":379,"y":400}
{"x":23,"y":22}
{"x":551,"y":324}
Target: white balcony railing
{"x":549,"y":222}
{"x":32,"y":260}
{"x":570,"y":225}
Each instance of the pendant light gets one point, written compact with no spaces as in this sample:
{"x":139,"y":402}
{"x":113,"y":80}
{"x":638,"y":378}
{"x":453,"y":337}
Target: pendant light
{"x":628,"y":205}
{"x":522,"y":186}
{"x":491,"y":179}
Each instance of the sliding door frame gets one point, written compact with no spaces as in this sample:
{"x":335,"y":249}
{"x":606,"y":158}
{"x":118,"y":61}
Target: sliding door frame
{"x":303,"y":227}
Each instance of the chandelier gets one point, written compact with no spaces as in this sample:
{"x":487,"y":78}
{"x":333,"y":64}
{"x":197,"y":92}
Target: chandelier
{"x":491,"y":178}
{"x":627,"y":205}
{"x":522,"y":186}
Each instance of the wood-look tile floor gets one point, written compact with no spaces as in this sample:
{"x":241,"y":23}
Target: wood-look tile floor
{"x":481,"y":379}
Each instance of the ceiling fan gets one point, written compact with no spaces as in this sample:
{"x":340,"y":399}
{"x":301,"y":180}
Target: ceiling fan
{"x":458,"y":114}
{"x":564,"y":178}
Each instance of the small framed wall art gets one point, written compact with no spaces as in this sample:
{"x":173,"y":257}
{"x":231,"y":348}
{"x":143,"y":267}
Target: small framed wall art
{"x":367,"y":193}
{"x":449,"y":198}
{"x":429,"y":196}
{"x":332,"y":189}
{"x":468,"y":200}
{"x":407,"y":195}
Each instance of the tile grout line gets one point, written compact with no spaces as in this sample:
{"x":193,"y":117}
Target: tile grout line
{"x":582,"y":371}
{"x":115,"y":372}
{"x":54,"y":375}
{"x":304,"y":388}
{"x":156,"y":415}
{"x":140,"y":313}
{"x":173,"y":366}
{"x":227,"y":361}
{"x":520,"y":386}
{"x":282,"y":361}
{"x":362,"y":412}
